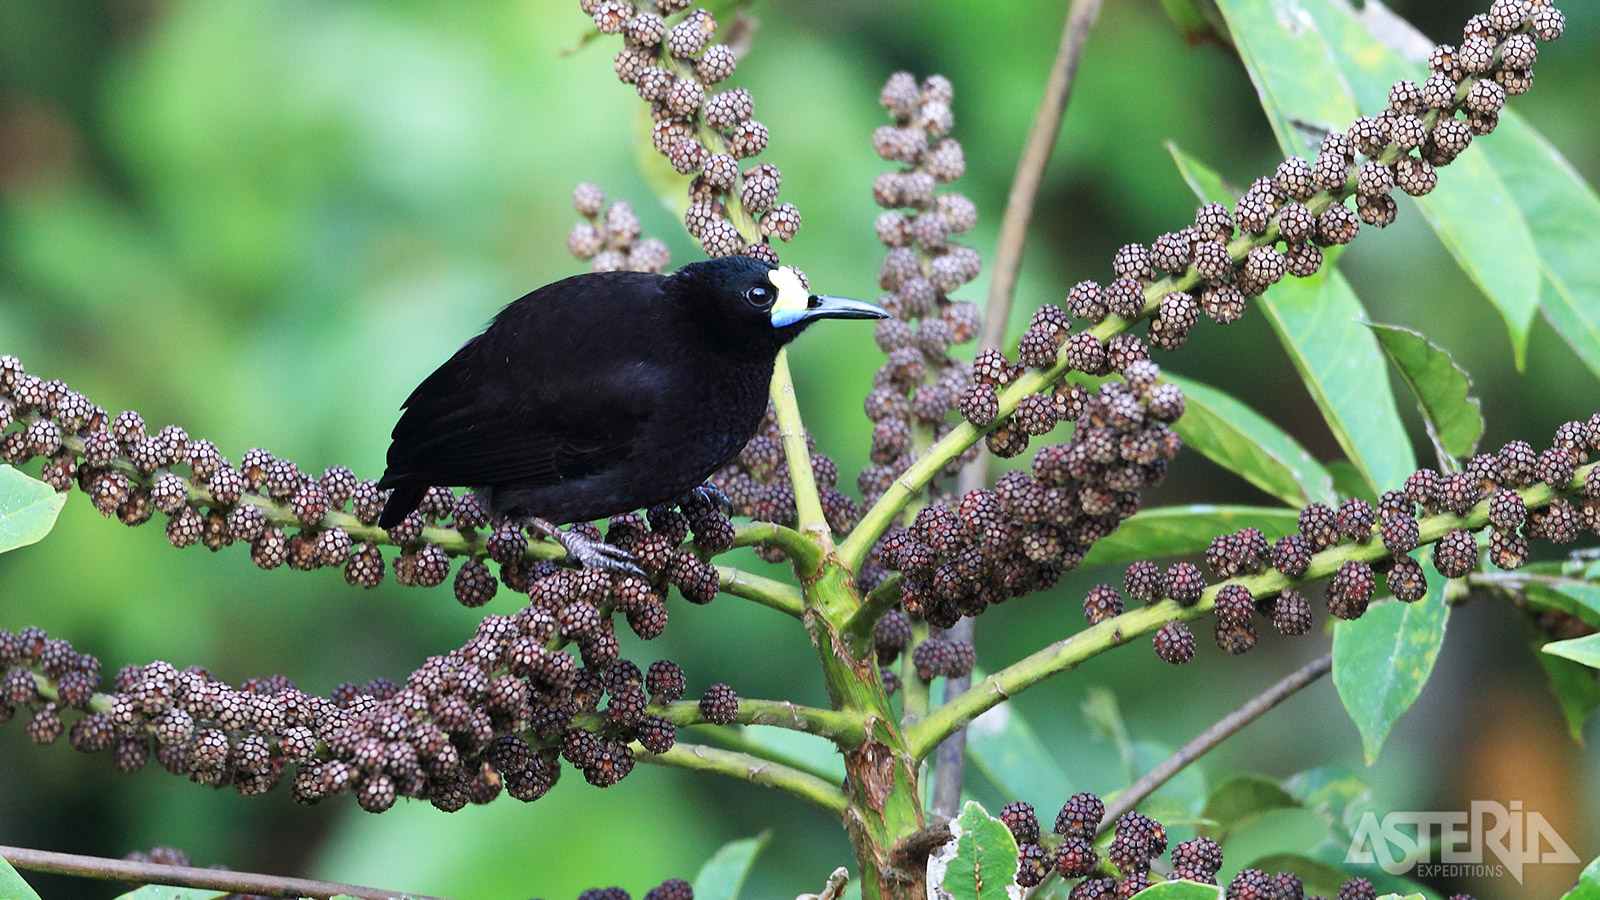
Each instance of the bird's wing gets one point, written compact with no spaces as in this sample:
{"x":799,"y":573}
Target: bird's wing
{"x":473,"y":422}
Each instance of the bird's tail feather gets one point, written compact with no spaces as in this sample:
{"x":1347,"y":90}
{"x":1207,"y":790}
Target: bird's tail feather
{"x":401,"y":502}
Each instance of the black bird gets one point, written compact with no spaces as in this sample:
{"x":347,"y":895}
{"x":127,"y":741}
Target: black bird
{"x":604,"y":393}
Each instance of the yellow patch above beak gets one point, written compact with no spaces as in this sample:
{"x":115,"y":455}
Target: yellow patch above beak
{"x":792,"y":295}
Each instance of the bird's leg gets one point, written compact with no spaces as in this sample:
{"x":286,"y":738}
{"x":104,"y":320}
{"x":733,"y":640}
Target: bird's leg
{"x":590,"y":554}
{"x":706,"y":495}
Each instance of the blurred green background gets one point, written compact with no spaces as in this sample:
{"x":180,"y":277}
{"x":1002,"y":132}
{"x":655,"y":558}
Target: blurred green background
{"x":266,"y":222}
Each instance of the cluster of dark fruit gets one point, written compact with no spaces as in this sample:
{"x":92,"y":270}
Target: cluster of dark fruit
{"x":674,"y":67}
{"x":1123,"y":868}
{"x":608,"y":236}
{"x":757,"y":484}
{"x":671,"y":889}
{"x":992,"y":545}
{"x":498,"y":714}
{"x":936,"y":655}
{"x":919,"y":383}
{"x":1492,"y":479}
{"x":291,"y":518}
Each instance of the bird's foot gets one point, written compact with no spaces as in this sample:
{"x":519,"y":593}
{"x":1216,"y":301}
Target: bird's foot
{"x":706,"y":496}
{"x":590,"y":553}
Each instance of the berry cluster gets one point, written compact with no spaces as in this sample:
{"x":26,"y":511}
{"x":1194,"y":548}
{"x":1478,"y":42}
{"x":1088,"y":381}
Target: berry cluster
{"x":1491,"y":489}
{"x":919,"y":383}
{"x":500,"y":713}
{"x":757,"y":484}
{"x":1137,"y":841}
{"x":608,"y":236}
{"x":1020,"y":537}
{"x":675,"y":66}
{"x":287,"y":516}
{"x":671,"y":889}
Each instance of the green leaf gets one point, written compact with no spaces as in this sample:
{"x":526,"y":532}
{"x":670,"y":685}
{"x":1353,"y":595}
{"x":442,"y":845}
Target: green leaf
{"x":1102,"y":713}
{"x":12,"y":887}
{"x":1575,"y":688}
{"x":984,"y":863}
{"x":1442,"y":388}
{"x":1275,"y":832}
{"x":1180,"y":890}
{"x":1293,"y":71}
{"x":1333,"y":790}
{"x":1472,"y":210}
{"x":1402,"y":897}
{"x":1588,"y":886}
{"x":28,"y":509}
{"x":167,"y":892}
{"x":724,"y":873}
{"x":1382,"y":660}
{"x":1575,"y":598}
{"x":1244,"y":442}
{"x":1318,"y":320}
{"x":1205,"y":181}
{"x":1182,"y":798}
{"x":1005,"y":748}
{"x":1242,"y":797}
{"x":1181,"y":530}
{"x":1585,"y":650}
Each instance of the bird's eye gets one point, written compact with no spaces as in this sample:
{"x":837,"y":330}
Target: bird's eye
{"x":759,"y":296}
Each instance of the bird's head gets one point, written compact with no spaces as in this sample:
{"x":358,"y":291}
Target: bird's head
{"x":748,"y":301}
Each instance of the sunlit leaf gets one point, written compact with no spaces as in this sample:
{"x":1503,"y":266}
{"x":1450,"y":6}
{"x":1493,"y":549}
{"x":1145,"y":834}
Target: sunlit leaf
{"x":28,"y":509}
{"x":1246,"y":443}
{"x":985,"y":860}
{"x":1382,"y":660}
{"x":1442,"y":388}
{"x":12,"y":887}
{"x":1585,"y":650}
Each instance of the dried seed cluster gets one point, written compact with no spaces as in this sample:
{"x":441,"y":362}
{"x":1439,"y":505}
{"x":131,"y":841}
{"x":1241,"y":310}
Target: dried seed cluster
{"x":288,"y":517}
{"x":498,"y":714}
{"x":672,"y":58}
{"x":919,"y":382}
{"x":1490,"y":480}
{"x":608,"y":235}
{"x":1137,"y":841}
{"x":992,"y":545}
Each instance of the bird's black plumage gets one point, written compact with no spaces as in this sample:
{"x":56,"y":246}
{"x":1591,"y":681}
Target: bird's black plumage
{"x":601,"y":393}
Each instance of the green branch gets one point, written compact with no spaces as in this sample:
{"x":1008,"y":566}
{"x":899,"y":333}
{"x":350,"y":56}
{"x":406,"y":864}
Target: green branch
{"x":859,"y":627}
{"x":792,"y":433}
{"x":806,"y":554}
{"x":924,"y":737}
{"x":765,"y":591}
{"x":700,"y":758}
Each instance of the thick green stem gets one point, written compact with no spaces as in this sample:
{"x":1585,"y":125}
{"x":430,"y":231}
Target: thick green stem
{"x":765,"y":591}
{"x":764,"y":772}
{"x":805,"y":553}
{"x":792,"y":433}
{"x":1065,"y":654}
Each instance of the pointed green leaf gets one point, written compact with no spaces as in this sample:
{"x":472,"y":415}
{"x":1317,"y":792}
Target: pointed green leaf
{"x":724,"y":873}
{"x":1442,"y":388}
{"x":1006,"y":749}
{"x":1472,"y":210}
{"x":28,"y":509}
{"x":1382,"y":660}
{"x":1575,"y":689}
{"x":1573,"y":597}
{"x":1585,"y":650}
{"x":1180,"y":890}
{"x":1318,"y":320}
{"x":1181,"y":530}
{"x":984,"y":863}
{"x":1244,"y":442}
{"x":1588,"y":886}
{"x":12,"y":887}
{"x":1292,"y":68}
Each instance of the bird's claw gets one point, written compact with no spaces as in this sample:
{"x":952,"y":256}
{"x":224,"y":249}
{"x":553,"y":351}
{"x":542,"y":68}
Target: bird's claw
{"x":592,"y":554}
{"x":707,"y":495}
